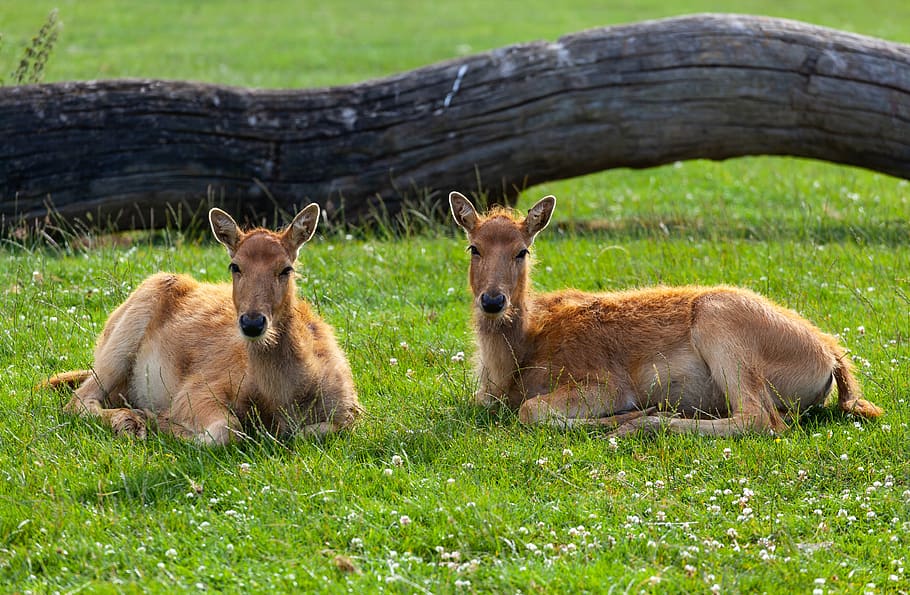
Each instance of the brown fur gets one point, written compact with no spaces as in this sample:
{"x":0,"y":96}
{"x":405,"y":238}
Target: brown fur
{"x":176,"y":354}
{"x":714,"y":360}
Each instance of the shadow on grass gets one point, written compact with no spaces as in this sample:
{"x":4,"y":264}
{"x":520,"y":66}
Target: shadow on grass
{"x":890,"y":232}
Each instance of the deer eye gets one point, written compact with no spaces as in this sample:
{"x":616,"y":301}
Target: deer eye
{"x":521,"y":254}
{"x":473,"y":250}
{"x":235,"y":270}
{"x":287,"y":271}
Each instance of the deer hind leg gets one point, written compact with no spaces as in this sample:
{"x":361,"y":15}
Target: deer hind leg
{"x":105,"y":393}
{"x":740,"y":388}
{"x":91,"y":400}
{"x":750,"y":406}
{"x":574,"y":405}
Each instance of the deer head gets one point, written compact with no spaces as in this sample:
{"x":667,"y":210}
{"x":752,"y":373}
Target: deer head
{"x":499,"y":246}
{"x":262,"y":269}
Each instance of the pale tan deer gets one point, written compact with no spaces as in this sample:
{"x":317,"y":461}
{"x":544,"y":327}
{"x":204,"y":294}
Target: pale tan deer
{"x":711,"y":360}
{"x":201,"y":360}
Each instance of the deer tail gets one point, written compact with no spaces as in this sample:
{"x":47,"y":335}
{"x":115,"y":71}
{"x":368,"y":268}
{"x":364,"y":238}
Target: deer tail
{"x":72,"y":378}
{"x":849,"y":393}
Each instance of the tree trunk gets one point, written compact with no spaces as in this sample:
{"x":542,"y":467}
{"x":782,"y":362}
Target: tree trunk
{"x":126,"y":152}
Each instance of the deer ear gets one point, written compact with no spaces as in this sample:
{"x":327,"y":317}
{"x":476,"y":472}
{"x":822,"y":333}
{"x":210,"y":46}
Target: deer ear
{"x":463,"y":211}
{"x":225,"y":229}
{"x":539,"y":216}
{"x":301,"y":228}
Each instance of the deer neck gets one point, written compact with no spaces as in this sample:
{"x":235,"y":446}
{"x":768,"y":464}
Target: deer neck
{"x":276,"y":368}
{"x":503,"y":347}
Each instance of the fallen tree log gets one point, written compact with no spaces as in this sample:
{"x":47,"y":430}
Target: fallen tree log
{"x":640,"y":95}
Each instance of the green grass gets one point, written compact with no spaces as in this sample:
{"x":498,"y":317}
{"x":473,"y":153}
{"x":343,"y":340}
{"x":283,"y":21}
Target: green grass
{"x":494,"y":507}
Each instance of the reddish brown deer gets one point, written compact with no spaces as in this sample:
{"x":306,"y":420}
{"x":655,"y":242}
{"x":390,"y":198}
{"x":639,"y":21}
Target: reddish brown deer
{"x":201,"y":360}
{"x":711,"y":360}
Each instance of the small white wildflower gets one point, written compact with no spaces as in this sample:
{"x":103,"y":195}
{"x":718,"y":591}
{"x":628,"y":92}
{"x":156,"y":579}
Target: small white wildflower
{"x":542,"y":461}
{"x":393,"y":361}
{"x":171,"y":553}
{"x":844,"y":457}
{"x":566,"y":452}
{"x":727,"y":453}
{"x":244,"y":468}
{"x":450,"y":290}
{"x":404,"y":521}
{"x":458,"y":357}
{"x":387,"y":471}
{"x":397,"y":461}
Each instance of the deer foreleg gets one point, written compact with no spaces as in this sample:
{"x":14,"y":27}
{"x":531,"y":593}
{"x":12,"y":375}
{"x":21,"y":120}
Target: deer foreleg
{"x":575,"y":405}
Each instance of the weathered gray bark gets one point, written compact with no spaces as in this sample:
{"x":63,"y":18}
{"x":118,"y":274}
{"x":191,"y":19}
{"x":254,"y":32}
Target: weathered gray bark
{"x":706,"y":86}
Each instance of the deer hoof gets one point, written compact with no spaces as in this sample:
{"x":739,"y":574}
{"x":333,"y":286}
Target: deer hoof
{"x":648,"y":425}
{"x":126,"y":422}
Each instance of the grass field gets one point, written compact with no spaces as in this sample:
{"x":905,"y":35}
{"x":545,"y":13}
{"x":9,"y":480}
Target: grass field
{"x":429,"y":494}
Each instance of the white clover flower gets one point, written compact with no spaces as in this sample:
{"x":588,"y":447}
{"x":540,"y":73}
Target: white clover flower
{"x":397,"y":461}
{"x":404,"y":521}
{"x":171,"y":553}
{"x":458,"y":357}
{"x":393,"y":361}
{"x":387,"y":471}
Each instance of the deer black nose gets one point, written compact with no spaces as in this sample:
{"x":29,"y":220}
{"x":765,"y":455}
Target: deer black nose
{"x":492,"y":304}
{"x":252,"y":325}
